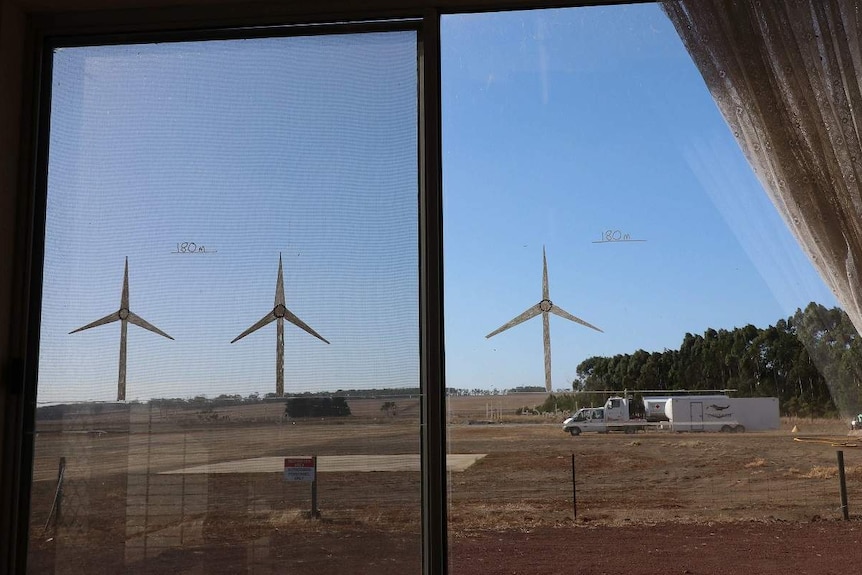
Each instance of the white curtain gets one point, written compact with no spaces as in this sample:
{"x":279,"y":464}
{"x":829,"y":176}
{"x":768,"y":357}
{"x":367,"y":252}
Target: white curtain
{"x":787,"y":76}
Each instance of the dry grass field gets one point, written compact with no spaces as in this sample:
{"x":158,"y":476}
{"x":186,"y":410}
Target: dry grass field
{"x":122,"y":509}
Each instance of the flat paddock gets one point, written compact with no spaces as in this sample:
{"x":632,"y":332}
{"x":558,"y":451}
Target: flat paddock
{"x":151,"y":491}
{"x":332,"y":464}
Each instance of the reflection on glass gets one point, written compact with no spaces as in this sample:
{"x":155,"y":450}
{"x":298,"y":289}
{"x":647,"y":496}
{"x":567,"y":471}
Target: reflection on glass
{"x":588,"y":134}
{"x":204,"y":185}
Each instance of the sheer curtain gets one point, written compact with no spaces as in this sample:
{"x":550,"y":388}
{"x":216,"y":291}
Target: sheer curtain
{"x":787,"y":76}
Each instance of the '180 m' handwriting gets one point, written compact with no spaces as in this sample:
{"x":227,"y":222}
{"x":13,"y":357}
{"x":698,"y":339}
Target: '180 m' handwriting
{"x":192,"y":248}
{"x":608,"y":236}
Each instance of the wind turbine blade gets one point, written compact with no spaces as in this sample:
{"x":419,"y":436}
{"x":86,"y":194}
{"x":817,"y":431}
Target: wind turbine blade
{"x":545,"y":275}
{"x":141,"y":322}
{"x":268,"y":318}
{"x":279,"y":284}
{"x":532,"y":311}
{"x":110,"y":318}
{"x":563,"y":313}
{"x":289,"y":316}
{"x":124,"y":299}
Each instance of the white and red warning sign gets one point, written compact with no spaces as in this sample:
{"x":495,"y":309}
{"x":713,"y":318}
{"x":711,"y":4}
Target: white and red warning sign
{"x":299,"y":468}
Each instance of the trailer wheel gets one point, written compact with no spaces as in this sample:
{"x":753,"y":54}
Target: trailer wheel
{"x":739,"y":429}
{"x":726,"y":429}
{"x":575,"y":431}
{"x":629,"y":430}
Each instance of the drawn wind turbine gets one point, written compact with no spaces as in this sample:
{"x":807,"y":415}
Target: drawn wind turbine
{"x":125,"y":317}
{"x":279,"y":313}
{"x":544,"y":307}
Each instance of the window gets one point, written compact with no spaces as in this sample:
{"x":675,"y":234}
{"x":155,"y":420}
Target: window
{"x":187,"y":184}
{"x":543,"y":150}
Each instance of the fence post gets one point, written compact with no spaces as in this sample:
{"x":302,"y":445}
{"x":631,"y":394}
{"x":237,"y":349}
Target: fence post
{"x":574,"y":490}
{"x":56,"y":506}
{"x":60,"y":473}
{"x":842,"y":482}
{"x":315,"y":512}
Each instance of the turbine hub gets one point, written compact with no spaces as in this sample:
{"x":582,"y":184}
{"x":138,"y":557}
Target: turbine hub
{"x":279,"y":310}
{"x":545,"y":305}
{"x":124,"y":313}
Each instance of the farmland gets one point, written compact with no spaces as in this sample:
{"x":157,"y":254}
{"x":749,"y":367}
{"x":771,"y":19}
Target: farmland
{"x":143,"y":492}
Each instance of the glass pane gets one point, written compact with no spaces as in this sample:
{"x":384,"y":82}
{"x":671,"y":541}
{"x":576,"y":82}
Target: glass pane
{"x":243,"y":217}
{"x":591,"y":182}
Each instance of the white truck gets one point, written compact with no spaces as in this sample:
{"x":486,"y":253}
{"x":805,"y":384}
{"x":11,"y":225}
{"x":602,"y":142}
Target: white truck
{"x":723,"y":413}
{"x":682,"y":413}
{"x":614,"y":416}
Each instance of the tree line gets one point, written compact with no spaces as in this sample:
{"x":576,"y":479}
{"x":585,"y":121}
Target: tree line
{"x":811,"y":361}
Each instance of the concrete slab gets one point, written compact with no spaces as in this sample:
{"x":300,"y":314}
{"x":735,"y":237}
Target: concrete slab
{"x":331,"y":463}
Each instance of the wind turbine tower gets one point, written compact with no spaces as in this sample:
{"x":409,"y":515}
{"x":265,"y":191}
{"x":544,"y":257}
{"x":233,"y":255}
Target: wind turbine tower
{"x":544,"y":307}
{"x":278,"y":314}
{"x":125,"y":317}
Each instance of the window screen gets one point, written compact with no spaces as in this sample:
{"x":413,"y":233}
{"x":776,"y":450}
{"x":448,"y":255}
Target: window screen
{"x":228,"y":365}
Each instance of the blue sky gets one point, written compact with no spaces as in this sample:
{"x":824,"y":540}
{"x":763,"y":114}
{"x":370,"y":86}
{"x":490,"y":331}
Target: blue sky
{"x":305,"y":146}
{"x":560,"y":125}
{"x":557,"y":126}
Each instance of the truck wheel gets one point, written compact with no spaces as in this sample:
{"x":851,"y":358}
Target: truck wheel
{"x":726,"y":429}
{"x":739,"y":429}
{"x":629,"y":430}
{"x":575,"y":431}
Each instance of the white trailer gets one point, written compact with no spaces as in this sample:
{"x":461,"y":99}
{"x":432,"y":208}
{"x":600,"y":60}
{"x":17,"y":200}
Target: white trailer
{"x":757,"y":413}
{"x":655,"y":408}
{"x":722,"y":413}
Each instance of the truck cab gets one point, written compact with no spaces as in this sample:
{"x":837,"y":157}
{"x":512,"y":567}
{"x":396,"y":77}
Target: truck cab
{"x":616,"y":409}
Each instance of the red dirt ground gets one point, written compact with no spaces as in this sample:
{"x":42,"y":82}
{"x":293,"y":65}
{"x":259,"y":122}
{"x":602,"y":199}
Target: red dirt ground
{"x":726,"y":549}
{"x":827,"y":547}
